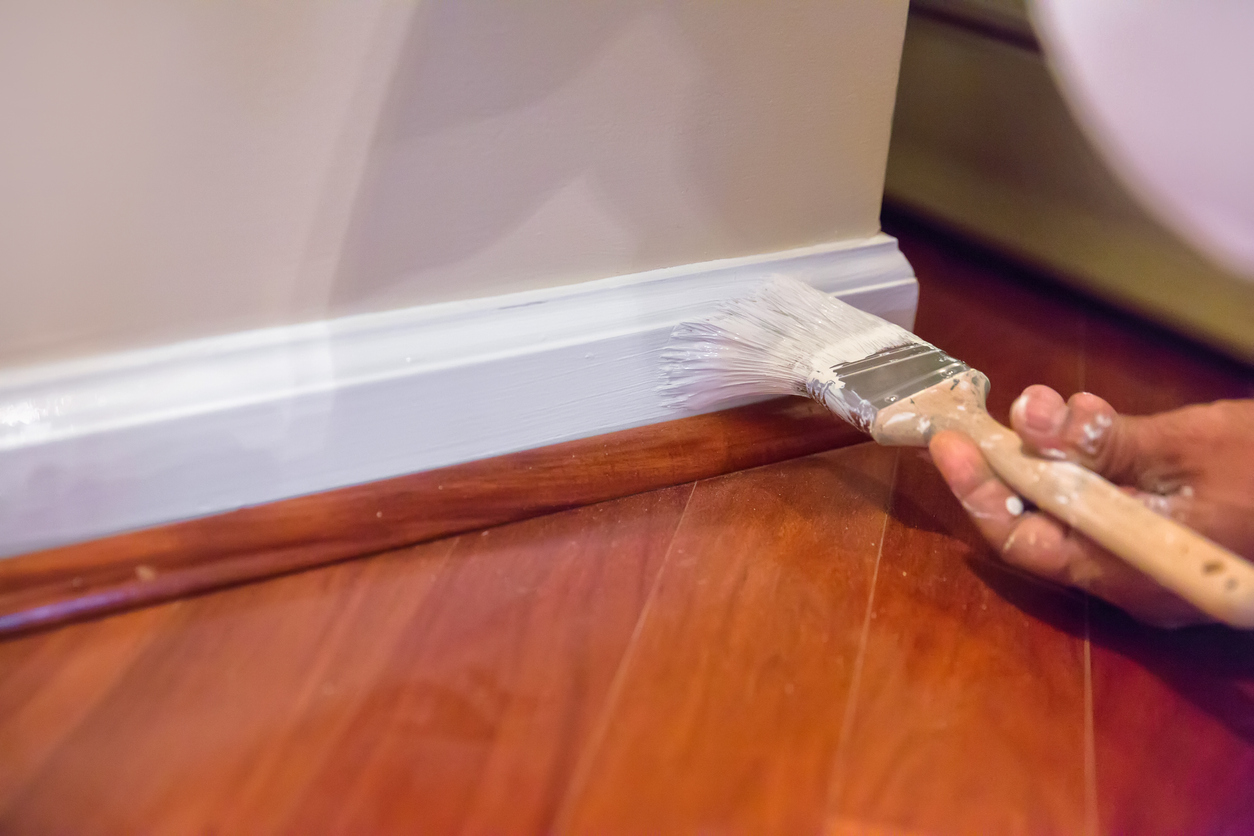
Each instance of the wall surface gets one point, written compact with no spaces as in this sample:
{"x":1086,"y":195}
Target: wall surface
{"x":170,"y":171}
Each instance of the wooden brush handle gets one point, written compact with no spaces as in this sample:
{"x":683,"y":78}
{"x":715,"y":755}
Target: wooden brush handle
{"x":1208,"y":576}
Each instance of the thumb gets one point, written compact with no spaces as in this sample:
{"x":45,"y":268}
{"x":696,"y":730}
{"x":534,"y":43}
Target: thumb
{"x":1087,"y":430}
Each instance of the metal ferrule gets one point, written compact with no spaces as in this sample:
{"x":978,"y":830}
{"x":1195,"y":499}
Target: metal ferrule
{"x":882,"y":379}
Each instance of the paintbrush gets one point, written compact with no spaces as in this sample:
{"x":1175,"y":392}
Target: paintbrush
{"x":790,"y":339}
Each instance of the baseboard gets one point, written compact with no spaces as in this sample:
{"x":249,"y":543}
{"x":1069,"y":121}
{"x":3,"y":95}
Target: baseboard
{"x":88,"y":579}
{"x":136,"y":439}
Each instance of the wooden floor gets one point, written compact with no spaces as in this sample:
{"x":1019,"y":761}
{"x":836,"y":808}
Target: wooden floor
{"x":818,"y":646}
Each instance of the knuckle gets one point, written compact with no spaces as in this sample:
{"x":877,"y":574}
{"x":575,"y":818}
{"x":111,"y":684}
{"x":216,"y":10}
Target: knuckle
{"x":1094,"y":432}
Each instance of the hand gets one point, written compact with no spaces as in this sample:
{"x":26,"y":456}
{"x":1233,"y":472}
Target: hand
{"x":1195,"y":465}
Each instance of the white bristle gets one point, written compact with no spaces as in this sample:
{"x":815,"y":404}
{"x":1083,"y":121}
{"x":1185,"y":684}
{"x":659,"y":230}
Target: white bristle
{"x":769,"y":343}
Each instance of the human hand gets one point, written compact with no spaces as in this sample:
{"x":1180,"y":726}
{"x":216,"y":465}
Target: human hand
{"x":1195,"y":465}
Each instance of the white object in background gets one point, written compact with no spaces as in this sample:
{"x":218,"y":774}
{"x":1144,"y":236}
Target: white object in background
{"x":1163,"y":88}
{"x":128,"y":440}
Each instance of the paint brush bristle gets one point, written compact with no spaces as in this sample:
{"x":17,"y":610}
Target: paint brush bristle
{"x":784,"y":339}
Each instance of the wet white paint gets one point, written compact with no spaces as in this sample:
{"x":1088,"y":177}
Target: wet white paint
{"x":1092,"y":435}
{"x":991,"y":441}
{"x":1158,"y":503}
{"x":899,"y":418}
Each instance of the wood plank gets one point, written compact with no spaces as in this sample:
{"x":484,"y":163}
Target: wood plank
{"x":730,"y":705}
{"x":447,"y":685}
{"x":159,"y":564}
{"x":226,"y":708}
{"x":50,"y":683}
{"x":1173,"y":718}
{"x":970,"y":715}
{"x":496,"y":685}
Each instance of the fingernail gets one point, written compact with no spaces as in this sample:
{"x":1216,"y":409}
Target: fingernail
{"x":1040,"y":416}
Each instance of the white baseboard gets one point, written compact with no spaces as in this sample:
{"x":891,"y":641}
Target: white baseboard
{"x":129,"y":440}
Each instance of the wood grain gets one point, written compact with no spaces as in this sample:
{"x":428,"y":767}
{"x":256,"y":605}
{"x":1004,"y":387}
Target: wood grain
{"x":167,"y":562}
{"x":189,"y":727}
{"x":48,"y":686}
{"x":452,"y":684}
{"x":970,"y":712}
{"x":510,"y":664}
{"x":1173,"y":719}
{"x":731,"y":702}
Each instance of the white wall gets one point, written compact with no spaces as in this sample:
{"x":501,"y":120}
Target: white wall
{"x":174,"y":170}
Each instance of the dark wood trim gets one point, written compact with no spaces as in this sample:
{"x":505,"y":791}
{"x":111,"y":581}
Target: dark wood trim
{"x":158,"y":564}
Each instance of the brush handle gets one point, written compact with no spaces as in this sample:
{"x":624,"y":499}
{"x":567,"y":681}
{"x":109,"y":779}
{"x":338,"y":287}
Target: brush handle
{"x":1208,"y":576}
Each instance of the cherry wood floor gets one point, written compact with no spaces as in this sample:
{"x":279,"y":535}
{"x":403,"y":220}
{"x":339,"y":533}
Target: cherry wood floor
{"x":820,"y":645}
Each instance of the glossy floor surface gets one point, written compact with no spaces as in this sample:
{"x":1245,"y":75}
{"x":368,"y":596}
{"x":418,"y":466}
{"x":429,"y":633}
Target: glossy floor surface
{"x":817,"y":646}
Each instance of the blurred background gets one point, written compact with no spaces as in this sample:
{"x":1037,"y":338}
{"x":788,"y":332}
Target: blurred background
{"x":984,"y":143}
